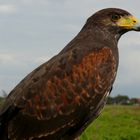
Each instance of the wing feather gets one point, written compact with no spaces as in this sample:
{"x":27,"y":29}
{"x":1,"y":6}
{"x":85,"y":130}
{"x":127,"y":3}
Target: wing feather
{"x":56,"y":96}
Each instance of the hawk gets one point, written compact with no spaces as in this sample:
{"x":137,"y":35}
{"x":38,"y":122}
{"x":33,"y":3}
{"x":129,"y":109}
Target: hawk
{"x":60,"y":98}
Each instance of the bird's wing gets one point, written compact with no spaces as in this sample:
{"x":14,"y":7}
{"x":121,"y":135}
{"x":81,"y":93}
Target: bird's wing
{"x":56,"y":96}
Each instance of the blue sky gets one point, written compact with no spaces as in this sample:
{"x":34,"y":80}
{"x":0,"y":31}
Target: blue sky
{"x":32,"y":31}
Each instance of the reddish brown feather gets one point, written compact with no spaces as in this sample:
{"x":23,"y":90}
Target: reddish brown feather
{"x":92,"y":76}
{"x":66,"y":94}
{"x":62,"y":96}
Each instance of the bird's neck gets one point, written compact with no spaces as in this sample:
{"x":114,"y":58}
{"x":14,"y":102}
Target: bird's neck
{"x":101,"y":35}
{"x":108,"y":35}
{"x":103,"y":38}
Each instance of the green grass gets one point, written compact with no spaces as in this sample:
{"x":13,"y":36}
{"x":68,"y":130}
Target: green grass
{"x":115,"y":123}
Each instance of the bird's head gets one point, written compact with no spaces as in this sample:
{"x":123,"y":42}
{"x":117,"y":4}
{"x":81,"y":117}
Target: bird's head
{"x":115,"y":20}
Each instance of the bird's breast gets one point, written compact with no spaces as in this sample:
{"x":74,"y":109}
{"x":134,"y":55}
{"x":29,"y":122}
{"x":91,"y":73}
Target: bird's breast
{"x":88,"y":80}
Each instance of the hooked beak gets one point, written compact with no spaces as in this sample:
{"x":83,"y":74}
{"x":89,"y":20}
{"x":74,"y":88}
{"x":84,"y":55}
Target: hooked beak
{"x":129,"y":23}
{"x":136,"y":27}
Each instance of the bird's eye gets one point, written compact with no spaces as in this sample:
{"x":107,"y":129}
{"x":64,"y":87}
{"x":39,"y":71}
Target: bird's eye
{"x":115,"y":17}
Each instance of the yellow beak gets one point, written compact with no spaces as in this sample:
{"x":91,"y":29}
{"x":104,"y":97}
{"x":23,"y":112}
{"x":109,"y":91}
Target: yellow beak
{"x":129,"y":22}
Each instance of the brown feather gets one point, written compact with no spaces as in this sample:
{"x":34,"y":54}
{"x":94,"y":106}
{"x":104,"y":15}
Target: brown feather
{"x":61,"y":97}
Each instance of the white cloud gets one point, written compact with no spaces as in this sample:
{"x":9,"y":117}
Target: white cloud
{"x":31,"y":2}
{"x":130,"y":39}
{"x":129,"y":67}
{"x":4,"y":58}
{"x":8,"y":9}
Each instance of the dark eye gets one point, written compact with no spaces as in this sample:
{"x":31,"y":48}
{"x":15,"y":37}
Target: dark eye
{"x":115,"y":17}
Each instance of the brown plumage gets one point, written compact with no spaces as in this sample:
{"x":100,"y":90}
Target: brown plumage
{"x":60,"y":98}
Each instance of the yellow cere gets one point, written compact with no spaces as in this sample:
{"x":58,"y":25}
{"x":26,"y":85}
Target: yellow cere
{"x":127,"y":22}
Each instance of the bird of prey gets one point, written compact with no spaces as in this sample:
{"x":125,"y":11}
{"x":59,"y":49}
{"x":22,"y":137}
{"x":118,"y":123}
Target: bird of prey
{"x":60,"y":98}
